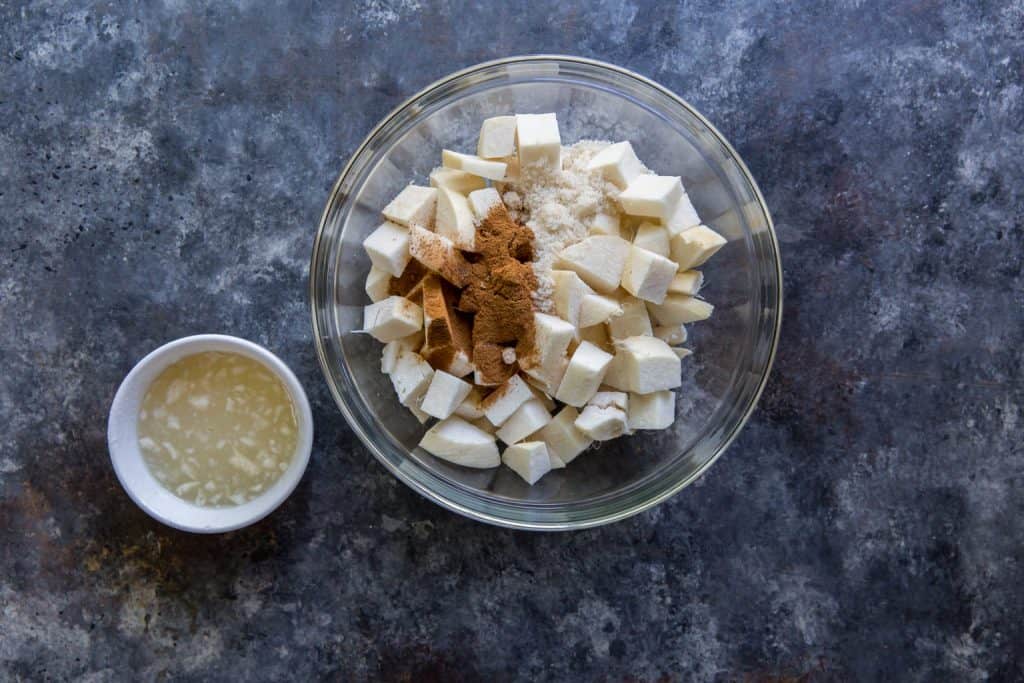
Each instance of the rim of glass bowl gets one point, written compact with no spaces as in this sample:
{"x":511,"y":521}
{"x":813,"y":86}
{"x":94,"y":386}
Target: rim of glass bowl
{"x":539,"y":516}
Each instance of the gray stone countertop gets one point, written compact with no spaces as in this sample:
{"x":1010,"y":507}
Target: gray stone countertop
{"x":162,"y":169}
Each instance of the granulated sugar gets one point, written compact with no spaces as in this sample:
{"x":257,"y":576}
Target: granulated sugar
{"x":559,"y":207}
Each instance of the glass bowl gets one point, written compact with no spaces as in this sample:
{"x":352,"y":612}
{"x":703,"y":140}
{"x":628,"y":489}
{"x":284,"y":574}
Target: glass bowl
{"x":733,"y":350}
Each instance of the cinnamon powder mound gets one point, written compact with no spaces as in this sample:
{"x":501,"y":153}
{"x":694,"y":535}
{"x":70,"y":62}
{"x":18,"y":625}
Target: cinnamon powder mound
{"x":411,"y":281}
{"x":500,"y":292}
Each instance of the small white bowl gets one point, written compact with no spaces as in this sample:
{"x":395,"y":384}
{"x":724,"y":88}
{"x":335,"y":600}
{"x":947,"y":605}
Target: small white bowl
{"x":142,"y":486}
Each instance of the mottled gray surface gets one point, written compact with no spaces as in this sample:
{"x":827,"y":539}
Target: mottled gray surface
{"x":161,"y":174}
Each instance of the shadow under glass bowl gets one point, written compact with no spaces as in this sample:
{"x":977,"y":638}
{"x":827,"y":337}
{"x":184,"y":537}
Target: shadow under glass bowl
{"x":733,"y":350}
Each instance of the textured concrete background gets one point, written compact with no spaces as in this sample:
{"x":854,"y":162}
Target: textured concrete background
{"x":162,"y":169}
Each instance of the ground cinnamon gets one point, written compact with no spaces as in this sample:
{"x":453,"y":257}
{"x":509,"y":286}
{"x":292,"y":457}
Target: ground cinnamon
{"x":500,"y":294}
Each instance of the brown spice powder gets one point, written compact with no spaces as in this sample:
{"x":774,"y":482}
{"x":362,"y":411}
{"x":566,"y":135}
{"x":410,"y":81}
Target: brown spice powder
{"x":500,"y":292}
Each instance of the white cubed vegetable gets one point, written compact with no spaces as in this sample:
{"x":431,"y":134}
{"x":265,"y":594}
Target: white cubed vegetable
{"x":678,"y":309}
{"x":445,"y":393}
{"x":563,"y":440}
{"x":530,"y":460}
{"x":610,"y":399}
{"x":470,"y":407}
{"x":614,"y":376}
{"x":598,"y":260}
{"x":687,"y":282}
{"x":583,"y":375}
{"x":648,"y":364}
{"x":681,"y":352}
{"x":596,"y":309}
{"x":652,"y":237}
{"x":551,"y":338}
{"x":388,"y":248}
{"x":567,"y":298}
{"x":482,"y":201}
{"x":671,"y":334}
{"x":502,"y":402}
{"x":414,"y":205}
{"x":653,"y":196}
{"x":618,"y":164}
{"x":377,"y":283}
{"x":418,"y":413}
{"x":411,"y":377}
{"x":389,"y":356}
{"x":656,"y":410}
{"x":459,"y":442}
{"x":605,"y":224}
{"x":492,"y":170}
{"x":602,"y":423}
{"x":392,"y":318}
{"x":692,"y":247}
{"x":683,"y":216}
{"x":497,"y":137}
{"x":647,"y":275}
{"x":438,"y":253}
{"x":455,"y":219}
{"x":539,"y":141}
{"x":633,"y":322}
{"x":456,"y":180}
{"x":527,"y":419}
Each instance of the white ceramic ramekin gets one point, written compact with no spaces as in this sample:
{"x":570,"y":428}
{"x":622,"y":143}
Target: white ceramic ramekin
{"x":146,"y":491}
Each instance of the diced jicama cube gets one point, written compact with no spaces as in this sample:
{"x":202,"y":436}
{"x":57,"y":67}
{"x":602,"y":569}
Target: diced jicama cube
{"x":456,"y":180}
{"x":414,"y":205}
{"x":596,"y":309}
{"x":598,"y":260}
{"x":652,"y":237}
{"x":653,"y":196}
{"x":389,"y":356}
{"x":455,"y":219}
{"x":648,"y":364}
{"x":502,"y":402}
{"x":470,"y":407}
{"x":618,"y":164}
{"x":647,"y":275}
{"x":569,"y":291}
{"x":656,"y":410}
{"x":482,"y":201}
{"x":444,"y":394}
{"x":392,"y":318}
{"x":388,"y":248}
{"x":583,"y":375}
{"x":633,"y":322}
{"x":687,"y":282}
{"x":603,"y":422}
{"x":605,"y":224}
{"x":563,"y":440}
{"x":671,"y":334}
{"x":692,"y":247}
{"x":538,"y":140}
{"x":527,"y":419}
{"x":410,"y":377}
{"x":678,"y":309}
{"x":492,"y":170}
{"x":529,"y":459}
{"x":377,"y":284}
{"x":497,"y":137}
{"x":551,"y":338}
{"x":683,"y":216}
{"x":438,"y":253}
{"x":459,"y":442}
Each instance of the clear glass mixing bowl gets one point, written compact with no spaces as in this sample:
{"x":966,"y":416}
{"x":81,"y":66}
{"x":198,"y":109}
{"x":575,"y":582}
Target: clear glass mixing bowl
{"x":733,"y":351}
